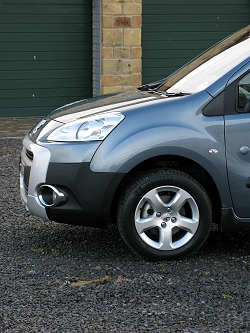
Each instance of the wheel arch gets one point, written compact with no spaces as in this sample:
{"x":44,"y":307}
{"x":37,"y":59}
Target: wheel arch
{"x":181,"y":163}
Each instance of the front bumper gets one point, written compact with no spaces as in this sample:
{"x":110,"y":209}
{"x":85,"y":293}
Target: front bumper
{"x":34,"y":163}
{"x":66,"y":167}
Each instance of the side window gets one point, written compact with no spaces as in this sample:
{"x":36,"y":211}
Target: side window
{"x":243,"y":92}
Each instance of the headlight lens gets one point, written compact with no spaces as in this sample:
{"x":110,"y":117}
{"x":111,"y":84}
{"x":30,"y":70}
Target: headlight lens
{"x":87,"y":129}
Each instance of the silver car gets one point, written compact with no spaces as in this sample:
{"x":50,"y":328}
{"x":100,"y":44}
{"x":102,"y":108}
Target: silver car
{"x":163,"y":161}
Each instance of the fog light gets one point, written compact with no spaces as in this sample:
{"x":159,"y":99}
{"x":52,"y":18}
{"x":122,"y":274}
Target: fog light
{"x":50,"y":196}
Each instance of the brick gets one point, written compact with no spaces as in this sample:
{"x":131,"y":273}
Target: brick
{"x":111,"y":8}
{"x":107,"y":21}
{"x":121,"y":52}
{"x":107,"y":52}
{"x":132,"y":37}
{"x":132,"y":8}
{"x":122,"y":21}
{"x":131,"y":66}
{"x":108,"y":90}
{"x":112,"y":37}
{"x":136,"y":52}
{"x":122,"y":1}
{"x":122,"y":80}
{"x":136,"y":21}
{"x":107,"y":80}
{"x":114,"y":66}
{"x":124,"y":88}
{"x":136,"y":80}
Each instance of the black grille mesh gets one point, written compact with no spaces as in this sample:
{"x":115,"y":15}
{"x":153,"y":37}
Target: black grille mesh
{"x":29,"y":154}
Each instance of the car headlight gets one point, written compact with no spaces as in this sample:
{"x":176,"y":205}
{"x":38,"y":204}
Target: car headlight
{"x":87,"y":129}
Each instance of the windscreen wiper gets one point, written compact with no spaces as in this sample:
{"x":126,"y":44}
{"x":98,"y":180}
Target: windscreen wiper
{"x":165,"y":93}
{"x":152,"y":85}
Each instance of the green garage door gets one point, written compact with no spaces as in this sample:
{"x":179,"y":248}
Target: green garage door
{"x":45,"y":55}
{"x":175,"y":31}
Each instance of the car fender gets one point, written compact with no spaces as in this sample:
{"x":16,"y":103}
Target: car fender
{"x":186,"y":134}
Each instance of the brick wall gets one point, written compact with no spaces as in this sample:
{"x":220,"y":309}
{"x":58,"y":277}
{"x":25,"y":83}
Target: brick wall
{"x":121,"y":45}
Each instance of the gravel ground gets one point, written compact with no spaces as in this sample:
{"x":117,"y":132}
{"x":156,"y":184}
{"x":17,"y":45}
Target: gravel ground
{"x":62,"y":278}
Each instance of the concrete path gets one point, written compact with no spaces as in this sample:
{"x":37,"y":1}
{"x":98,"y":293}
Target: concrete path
{"x":17,"y":127}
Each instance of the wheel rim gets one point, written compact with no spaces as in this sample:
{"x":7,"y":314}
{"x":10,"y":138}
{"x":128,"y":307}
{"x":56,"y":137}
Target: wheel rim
{"x":167,"y":218}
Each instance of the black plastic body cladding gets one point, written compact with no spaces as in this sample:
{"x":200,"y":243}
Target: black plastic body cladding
{"x":90,"y":194}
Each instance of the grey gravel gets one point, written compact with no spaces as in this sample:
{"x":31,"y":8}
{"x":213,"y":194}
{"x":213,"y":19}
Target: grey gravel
{"x":63,"y":278}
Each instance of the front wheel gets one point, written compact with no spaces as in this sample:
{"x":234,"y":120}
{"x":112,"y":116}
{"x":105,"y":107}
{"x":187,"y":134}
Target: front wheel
{"x":164,"y":214}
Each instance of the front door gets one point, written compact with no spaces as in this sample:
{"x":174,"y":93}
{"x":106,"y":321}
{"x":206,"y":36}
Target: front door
{"x":237,"y":138}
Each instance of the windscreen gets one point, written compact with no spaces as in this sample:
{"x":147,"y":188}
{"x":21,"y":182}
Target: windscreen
{"x":211,"y":65}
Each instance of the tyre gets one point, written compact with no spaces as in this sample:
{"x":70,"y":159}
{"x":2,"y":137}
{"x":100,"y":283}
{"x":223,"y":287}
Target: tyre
{"x":164,"y":215}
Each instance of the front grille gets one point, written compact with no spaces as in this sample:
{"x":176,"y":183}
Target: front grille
{"x":29,"y":154}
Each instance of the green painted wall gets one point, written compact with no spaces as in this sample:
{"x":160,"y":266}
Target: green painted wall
{"x":175,"y":31}
{"x":45,"y":55}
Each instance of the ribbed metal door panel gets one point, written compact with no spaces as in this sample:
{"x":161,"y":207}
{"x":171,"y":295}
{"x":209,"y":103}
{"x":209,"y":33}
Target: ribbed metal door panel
{"x":175,"y":31}
{"x":45,"y":55}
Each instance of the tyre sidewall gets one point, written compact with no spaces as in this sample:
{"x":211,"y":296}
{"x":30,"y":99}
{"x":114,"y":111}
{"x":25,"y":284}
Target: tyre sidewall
{"x":157,"y":179}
